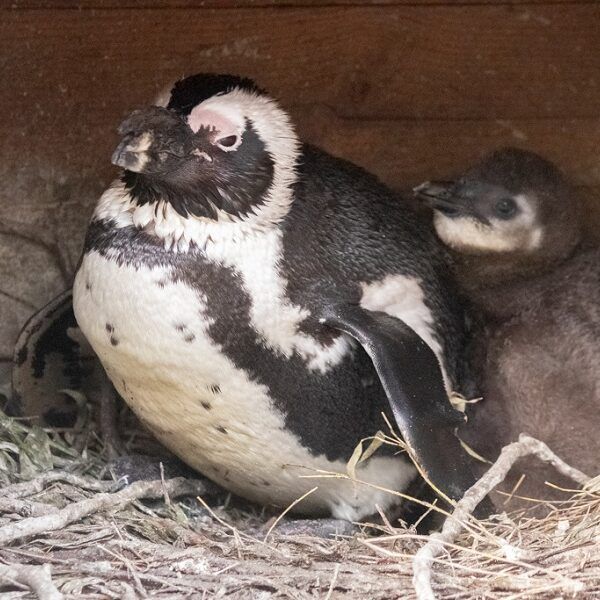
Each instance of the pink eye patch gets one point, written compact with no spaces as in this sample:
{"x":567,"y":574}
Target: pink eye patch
{"x":204,"y":117}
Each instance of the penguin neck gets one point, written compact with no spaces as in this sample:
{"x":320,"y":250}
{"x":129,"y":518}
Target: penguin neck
{"x":179,"y":233}
{"x":503,"y":285}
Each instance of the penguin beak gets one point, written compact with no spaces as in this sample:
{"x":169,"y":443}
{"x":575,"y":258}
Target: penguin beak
{"x":137,"y":137}
{"x":441,"y":196}
{"x":149,"y":138}
{"x":131,"y":153}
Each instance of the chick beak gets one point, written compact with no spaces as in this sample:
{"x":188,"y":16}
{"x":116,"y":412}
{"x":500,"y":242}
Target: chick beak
{"x":440,"y":196}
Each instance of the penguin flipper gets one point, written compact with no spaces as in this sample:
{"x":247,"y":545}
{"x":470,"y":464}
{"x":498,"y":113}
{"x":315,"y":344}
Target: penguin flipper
{"x":411,"y":376}
{"x":48,"y":359}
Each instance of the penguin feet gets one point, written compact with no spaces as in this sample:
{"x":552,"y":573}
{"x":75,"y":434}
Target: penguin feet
{"x":322,"y":528}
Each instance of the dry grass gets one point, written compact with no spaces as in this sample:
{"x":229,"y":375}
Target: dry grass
{"x":104,"y":540}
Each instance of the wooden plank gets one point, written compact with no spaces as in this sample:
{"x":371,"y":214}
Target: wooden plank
{"x":455,"y":63}
{"x":228,"y":4}
{"x":75,"y":75}
{"x":402,"y":152}
{"x":409,"y":152}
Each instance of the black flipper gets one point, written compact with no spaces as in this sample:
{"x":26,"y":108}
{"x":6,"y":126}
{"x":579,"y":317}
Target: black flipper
{"x":412,"y":379}
{"x":49,"y":356}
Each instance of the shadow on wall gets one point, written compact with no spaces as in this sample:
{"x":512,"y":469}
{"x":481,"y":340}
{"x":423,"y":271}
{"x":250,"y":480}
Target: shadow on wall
{"x":43,"y":216}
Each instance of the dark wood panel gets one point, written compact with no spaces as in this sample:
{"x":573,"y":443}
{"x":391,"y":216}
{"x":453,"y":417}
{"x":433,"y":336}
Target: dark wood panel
{"x":453,"y":63}
{"x":408,"y":152}
{"x":75,"y":75}
{"x":402,"y":152}
{"x":103,"y":4}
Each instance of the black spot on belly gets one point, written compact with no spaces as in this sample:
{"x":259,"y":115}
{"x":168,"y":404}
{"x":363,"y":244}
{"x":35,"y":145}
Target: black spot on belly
{"x":114,"y":341}
{"x":109,"y":328}
{"x":21,"y":356}
{"x":36,"y":327}
{"x":188,"y":336}
{"x":222,"y":429}
{"x":214,"y":388}
{"x":265,"y":483}
{"x":88,"y":286}
{"x":206,"y":405}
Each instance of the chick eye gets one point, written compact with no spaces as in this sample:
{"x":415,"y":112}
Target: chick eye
{"x":229,"y":142}
{"x":505,"y":208}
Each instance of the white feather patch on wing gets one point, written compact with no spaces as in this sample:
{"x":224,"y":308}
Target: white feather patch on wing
{"x":402,"y":297}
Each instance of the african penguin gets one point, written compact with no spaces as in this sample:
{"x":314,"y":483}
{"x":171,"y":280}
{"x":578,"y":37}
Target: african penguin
{"x":514,"y":223}
{"x":259,"y":304}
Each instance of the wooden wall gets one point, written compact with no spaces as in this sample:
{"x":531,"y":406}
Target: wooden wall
{"x":410,"y":89}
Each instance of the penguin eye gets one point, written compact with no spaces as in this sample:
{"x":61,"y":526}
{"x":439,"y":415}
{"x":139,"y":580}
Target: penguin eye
{"x":229,"y":142}
{"x":505,"y":208}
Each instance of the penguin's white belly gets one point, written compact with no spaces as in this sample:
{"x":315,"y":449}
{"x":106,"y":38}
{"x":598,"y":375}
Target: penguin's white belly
{"x":152,"y":337}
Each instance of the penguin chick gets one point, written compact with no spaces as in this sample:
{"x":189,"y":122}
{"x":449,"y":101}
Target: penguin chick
{"x":259,"y":303}
{"x":511,"y":216}
{"x":514,"y":224}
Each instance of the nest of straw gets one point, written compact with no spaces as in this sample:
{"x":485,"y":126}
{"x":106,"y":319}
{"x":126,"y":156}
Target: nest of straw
{"x":68,"y":530}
